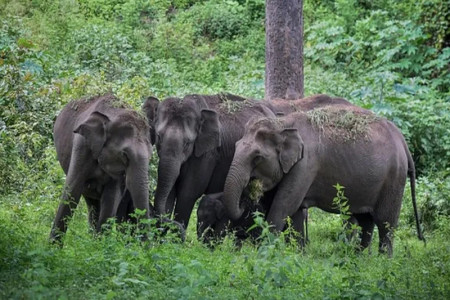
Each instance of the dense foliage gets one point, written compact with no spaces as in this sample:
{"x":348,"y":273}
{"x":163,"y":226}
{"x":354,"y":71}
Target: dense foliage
{"x":390,"y":56}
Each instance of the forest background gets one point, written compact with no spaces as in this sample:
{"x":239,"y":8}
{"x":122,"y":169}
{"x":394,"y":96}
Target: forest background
{"x":389,"y":56}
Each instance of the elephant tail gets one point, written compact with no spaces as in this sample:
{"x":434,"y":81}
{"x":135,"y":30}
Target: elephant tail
{"x":412,"y":180}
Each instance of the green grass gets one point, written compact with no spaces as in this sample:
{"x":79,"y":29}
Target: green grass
{"x":118,"y":266}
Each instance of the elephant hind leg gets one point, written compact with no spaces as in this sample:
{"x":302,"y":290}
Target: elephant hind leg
{"x":365,"y":221}
{"x":386,"y":223}
{"x":386,"y":218}
{"x":300,"y":224}
{"x":386,"y":234}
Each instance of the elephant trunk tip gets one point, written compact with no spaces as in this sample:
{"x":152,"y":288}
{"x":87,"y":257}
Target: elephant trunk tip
{"x":235,"y":213}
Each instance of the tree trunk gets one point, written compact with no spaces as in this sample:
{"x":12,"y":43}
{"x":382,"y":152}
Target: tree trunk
{"x":284,"y":49}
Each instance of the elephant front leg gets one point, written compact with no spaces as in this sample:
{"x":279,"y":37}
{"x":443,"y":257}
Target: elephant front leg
{"x":70,"y":198}
{"x":194,"y":178}
{"x":184,"y":206}
{"x":289,"y":196}
{"x":109,"y":202}
{"x":80,"y":167}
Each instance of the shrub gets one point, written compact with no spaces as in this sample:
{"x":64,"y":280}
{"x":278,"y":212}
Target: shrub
{"x":173,"y":40}
{"x":27,"y":113}
{"x":433,"y":192}
{"x":99,"y":48}
{"x":377,"y":42}
{"x":420,"y":112}
{"x":217,"y":19}
{"x":132,"y":12}
{"x":426,"y":126}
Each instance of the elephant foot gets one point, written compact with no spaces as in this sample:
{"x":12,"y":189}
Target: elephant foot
{"x":170,"y":230}
{"x":55,"y":238}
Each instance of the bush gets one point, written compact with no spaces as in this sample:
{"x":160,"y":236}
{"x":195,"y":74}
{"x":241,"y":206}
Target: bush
{"x":426,"y":124}
{"x":419,"y":111}
{"x":432,"y":193}
{"x":131,"y":13}
{"x":217,"y":19}
{"x":377,"y":43}
{"x":99,"y":48}
{"x":27,"y":113}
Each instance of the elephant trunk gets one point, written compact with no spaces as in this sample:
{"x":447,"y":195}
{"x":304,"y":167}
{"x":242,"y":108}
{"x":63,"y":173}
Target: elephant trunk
{"x":237,"y":180}
{"x":168,"y":172}
{"x":137,"y":183}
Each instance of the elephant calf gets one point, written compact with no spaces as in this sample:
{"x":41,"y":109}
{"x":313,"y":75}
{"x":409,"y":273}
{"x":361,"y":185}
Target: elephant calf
{"x":104,"y":149}
{"x":213,"y":223}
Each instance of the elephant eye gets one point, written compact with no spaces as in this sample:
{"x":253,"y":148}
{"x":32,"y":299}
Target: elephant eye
{"x":186,"y":145}
{"x":124,"y":157}
{"x":258,"y":159}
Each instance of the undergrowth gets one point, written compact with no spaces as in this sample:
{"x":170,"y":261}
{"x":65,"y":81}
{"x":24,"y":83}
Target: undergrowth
{"x":388,"y":56}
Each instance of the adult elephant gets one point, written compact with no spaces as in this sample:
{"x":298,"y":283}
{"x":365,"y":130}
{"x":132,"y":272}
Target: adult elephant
{"x":195,"y":139}
{"x":303,"y":155}
{"x":213,"y":223}
{"x":104,"y":149}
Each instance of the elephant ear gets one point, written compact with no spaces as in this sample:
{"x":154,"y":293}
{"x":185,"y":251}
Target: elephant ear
{"x":150,"y":107}
{"x":94,"y":131}
{"x":209,"y":133}
{"x":291,"y":149}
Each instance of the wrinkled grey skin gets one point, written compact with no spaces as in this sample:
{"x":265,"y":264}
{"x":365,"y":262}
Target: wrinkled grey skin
{"x":213,"y":223}
{"x":282,"y":107}
{"x":104,"y":150}
{"x":211,"y":213}
{"x":303,"y":164}
{"x":215,"y":220}
{"x":195,"y":139}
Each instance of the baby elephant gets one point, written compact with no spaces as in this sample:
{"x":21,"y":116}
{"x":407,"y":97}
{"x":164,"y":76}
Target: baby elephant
{"x":213,"y":223}
{"x":104,"y":149}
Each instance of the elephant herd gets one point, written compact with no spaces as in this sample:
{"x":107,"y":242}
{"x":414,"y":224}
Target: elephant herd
{"x":215,"y":146}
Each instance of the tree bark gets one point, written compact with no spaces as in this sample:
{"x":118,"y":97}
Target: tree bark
{"x":284,"y":49}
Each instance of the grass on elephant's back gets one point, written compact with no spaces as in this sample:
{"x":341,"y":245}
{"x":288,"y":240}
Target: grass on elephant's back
{"x":344,"y":123}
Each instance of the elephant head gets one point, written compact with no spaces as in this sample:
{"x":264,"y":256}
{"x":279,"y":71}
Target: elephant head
{"x":266,"y":152}
{"x":184,"y":128}
{"x":119,"y":143}
{"x":103,"y":149}
{"x":211,"y":218}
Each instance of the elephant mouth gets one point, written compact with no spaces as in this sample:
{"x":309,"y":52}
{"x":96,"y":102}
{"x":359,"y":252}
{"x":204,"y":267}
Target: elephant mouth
{"x":116,"y":171}
{"x":253,"y":191}
{"x":116,"y":174}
